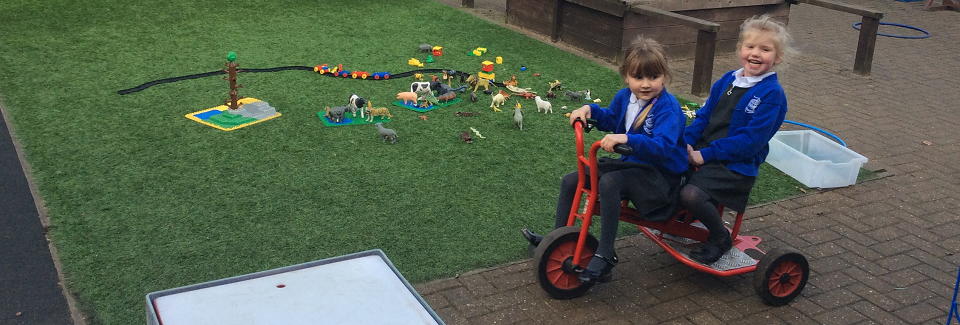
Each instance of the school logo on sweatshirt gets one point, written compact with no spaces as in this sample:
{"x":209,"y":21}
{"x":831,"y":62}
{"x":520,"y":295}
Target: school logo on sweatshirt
{"x":648,"y":124}
{"x":752,"y":106}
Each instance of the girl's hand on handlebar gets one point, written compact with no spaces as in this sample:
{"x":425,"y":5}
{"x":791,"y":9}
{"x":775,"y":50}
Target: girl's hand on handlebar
{"x":611,"y":140}
{"x":694,"y":156}
{"x":583,"y":113}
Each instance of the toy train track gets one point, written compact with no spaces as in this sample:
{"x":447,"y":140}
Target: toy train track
{"x":318,"y":69}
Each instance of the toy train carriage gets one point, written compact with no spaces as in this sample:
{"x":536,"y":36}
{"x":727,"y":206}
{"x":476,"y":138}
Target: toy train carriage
{"x":381,"y":75}
{"x":324,"y":69}
{"x":360,"y":74}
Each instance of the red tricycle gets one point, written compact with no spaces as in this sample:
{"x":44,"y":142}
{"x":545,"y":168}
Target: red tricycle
{"x":779,"y":277}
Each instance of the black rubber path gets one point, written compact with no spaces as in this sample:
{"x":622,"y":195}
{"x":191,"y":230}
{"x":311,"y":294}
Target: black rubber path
{"x":28,"y":279}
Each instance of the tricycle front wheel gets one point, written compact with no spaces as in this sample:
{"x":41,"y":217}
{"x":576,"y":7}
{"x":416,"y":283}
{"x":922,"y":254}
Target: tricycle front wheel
{"x":555,"y":265}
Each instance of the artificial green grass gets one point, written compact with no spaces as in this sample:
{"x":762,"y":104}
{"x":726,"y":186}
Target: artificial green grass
{"x":142,"y":199}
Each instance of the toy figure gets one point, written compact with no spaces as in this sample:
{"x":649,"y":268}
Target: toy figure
{"x":408,"y":96}
{"x":448,"y":96}
{"x":550,"y":94}
{"x":448,"y":75}
{"x":386,"y":133}
{"x":231,"y":71}
{"x":371,"y":112}
{"x":518,"y":117}
{"x":476,"y":82}
{"x":496,"y":101}
{"x":542,"y":104}
{"x":574,"y":95}
{"x":336,"y":114}
{"x":354,"y":103}
{"x":428,"y":99}
{"x":586,"y":94}
{"x":555,"y":85}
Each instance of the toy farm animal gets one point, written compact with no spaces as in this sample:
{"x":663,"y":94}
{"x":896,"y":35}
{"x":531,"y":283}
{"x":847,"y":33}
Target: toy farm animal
{"x":466,"y":137}
{"x":382,"y":112}
{"x":518,"y":117}
{"x":542,"y":104}
{"x":386,"y":133}
{"x":425,"y":48}
{"x":408,"y":96}
{"x":428,"y":99}
{"x":476,"y":82}
{"x":574,"y":95}
{"x":497,"y":101}
{"x":448,"y":96}
{"x":355,"y":103}
{"x":420,"y":87}
{"x":336,"y":114}
{"x":473,"y":97}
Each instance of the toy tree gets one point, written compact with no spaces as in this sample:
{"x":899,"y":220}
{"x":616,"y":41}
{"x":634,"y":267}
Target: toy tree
{"x":231,"y":71}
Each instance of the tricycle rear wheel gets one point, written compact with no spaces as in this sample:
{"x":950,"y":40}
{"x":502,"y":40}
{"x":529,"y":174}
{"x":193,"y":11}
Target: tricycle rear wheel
{"x":555,"y":265}
{"x":780,"y":276}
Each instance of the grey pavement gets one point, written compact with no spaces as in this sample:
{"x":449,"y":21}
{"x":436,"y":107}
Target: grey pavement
{"x":883,"y":251}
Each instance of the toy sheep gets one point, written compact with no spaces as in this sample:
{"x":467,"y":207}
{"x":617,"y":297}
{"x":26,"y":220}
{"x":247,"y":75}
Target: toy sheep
{"x":544,"y":105}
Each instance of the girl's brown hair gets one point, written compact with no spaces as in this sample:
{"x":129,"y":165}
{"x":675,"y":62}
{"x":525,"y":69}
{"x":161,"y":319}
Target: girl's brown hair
{"x":645,"y":58}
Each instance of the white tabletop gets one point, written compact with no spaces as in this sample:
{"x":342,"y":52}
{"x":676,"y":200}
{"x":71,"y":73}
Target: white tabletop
{"x":362,"y":290}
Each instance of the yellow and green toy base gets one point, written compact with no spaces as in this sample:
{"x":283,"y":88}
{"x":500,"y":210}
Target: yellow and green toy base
{"x":219,"y":117}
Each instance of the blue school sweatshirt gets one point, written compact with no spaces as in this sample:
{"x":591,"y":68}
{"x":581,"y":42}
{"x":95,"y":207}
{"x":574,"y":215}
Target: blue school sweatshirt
{"x":659,"y":141}
{"x":757,"y":117}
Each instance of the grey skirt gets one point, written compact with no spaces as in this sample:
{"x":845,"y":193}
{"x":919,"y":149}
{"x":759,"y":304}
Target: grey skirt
{"x":723,"y":185}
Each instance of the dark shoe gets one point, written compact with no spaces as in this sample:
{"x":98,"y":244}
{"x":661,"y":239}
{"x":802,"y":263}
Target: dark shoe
{"x":712,"y":251}
{"x":531,"y":237}
{"x":603,"y":275}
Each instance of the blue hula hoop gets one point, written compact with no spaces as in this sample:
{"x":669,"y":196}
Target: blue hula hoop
{"x":927,"y":34}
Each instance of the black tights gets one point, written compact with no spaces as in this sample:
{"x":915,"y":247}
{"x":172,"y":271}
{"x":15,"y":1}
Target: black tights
{"x":611,"y":186}
{"x":704,"y":209}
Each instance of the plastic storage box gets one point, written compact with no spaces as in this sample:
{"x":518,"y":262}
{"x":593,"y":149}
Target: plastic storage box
{"x":360,"y":288}
{"x":814,"y":160}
